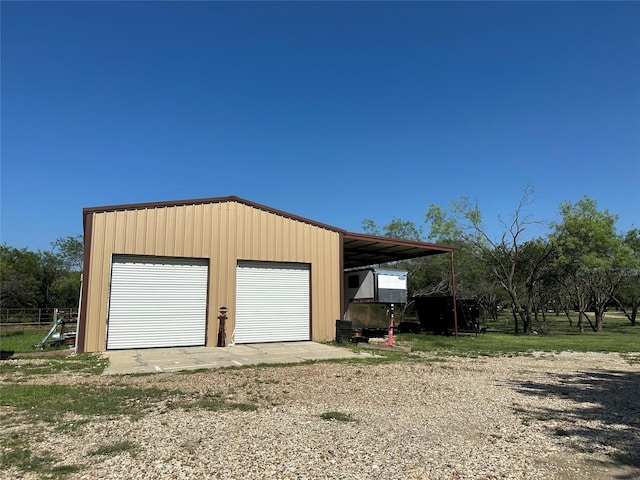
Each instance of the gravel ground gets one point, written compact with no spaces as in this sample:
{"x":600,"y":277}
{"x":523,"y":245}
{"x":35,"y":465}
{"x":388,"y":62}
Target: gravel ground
{"x":546,"y":416}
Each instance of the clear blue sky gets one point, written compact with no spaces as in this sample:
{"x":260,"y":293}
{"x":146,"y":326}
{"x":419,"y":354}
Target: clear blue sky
{"x":333,"y":111}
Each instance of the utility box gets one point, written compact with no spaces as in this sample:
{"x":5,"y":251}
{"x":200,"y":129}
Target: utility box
{"x":373,"y":285}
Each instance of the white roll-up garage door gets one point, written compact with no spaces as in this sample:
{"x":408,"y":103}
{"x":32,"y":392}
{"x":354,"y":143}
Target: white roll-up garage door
{"x":157,"y":302}
{"x":272,"y":302}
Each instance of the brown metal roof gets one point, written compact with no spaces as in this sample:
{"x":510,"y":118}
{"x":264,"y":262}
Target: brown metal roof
{"x":360,"y":250}
{"x":364,"y":250}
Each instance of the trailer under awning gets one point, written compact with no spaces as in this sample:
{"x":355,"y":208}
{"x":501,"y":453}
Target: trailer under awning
{"x":360,"y":250}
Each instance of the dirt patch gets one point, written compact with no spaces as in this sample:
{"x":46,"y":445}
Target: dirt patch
{"x":42,"y":353}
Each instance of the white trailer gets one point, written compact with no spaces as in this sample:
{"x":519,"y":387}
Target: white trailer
{"x":369,"y":294}
{"x":375,"y":285}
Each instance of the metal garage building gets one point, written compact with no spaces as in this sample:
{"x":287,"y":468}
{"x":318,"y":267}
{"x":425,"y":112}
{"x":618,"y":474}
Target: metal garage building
{"x":155,"y":274}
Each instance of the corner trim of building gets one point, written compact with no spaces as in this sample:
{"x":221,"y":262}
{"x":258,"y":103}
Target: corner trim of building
{"x":82,"y":321}
{"x":341,"y":275}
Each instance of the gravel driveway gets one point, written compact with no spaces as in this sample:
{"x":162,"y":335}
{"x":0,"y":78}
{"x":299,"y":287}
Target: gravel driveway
{"x":545,"y":416}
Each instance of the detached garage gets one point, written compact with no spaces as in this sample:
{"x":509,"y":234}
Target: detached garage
{"x":156,"y":274}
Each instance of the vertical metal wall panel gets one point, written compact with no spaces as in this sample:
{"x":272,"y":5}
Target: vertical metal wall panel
{"x":97,"y":300}
{"x":157,"y":302}
{"x":272,"y":302}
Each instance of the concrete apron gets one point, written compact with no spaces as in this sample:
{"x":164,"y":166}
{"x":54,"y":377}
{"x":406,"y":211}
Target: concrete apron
{"x":156,"y":360}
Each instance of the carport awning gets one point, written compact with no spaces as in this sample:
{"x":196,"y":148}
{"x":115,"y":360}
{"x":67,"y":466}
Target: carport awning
{"x":362,"y":250}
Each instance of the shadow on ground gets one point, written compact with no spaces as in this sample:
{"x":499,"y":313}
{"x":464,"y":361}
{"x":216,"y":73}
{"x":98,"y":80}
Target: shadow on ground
{"x":609,"y":401}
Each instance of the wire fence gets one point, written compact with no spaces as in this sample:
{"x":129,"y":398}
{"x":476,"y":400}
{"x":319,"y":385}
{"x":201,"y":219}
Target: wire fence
{"x":32,"y":317}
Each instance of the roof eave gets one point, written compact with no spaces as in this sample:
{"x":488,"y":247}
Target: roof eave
{"x":201,"y":201}
{"x":441,"y":248}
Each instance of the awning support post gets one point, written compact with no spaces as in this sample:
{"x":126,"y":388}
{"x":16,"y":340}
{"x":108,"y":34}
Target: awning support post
{"x":453,"y":294}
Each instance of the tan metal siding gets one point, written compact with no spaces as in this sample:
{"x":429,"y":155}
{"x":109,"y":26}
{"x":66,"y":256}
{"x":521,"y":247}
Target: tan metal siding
{"x":223,"y":232}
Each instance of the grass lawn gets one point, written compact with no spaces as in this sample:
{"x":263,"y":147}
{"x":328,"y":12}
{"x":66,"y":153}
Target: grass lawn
{"x":618,"y":336}
{"x":21,"y":339}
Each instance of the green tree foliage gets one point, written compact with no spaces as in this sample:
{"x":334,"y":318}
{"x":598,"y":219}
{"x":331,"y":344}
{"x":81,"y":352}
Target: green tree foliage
{"x":20,"y":278}
{"x":591,"y":256}
{"x":41,"y":279}
{"x":628,"y":294}
{"x":70,"y":251}
{"x":582,"y":264}
{"x":396,"y":228}
{"x":536,"y":275}
{"x":432,"y":275}
{"x":509,"y":262}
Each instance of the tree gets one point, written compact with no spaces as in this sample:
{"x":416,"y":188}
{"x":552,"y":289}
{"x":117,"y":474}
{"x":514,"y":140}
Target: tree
{"x":503,"y":256}
{"x":42,"y":279}
{"x":67,"y":258}
{"x":536,"y":273}
{"x":431,"y":275}
{"x":20,"y":278}
{"x":592,"y":256}
{"x":396,"y":228}
{"x":627,"y":296}
{"x":70,"y":251}
{"x":51,"y":266}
